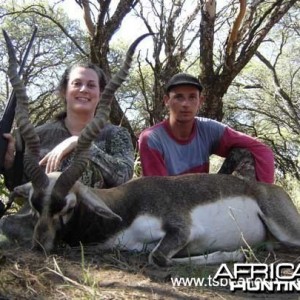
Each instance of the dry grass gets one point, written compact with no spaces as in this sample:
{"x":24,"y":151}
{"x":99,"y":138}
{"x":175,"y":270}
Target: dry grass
{"x":91,"y":274}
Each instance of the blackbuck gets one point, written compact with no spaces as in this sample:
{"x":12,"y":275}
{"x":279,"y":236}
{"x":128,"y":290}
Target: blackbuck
{"x":203,"y":218}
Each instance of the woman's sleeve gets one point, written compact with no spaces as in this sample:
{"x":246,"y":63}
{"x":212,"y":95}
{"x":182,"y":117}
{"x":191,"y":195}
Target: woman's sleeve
{"x":116,"y":162}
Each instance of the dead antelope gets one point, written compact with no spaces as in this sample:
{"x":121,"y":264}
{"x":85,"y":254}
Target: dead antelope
{"x":198,"y":217}
{"x":204,"y":218}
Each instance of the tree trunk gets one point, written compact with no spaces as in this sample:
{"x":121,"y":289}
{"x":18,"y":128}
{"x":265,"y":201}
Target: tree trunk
{"x":247,"y":33}
{"x":100,"y":36}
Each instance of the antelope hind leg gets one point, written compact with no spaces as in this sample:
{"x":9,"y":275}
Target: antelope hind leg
{"x":214,"y":258}
{"x":281,"y":216}
{"x":174,"y":240}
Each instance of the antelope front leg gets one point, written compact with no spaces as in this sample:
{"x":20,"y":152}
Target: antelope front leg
{"x":174,"y":240}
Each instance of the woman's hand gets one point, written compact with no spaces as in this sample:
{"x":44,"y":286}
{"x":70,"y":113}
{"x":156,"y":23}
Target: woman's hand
{"x":10,"y":152}
{"x":52,"y":160}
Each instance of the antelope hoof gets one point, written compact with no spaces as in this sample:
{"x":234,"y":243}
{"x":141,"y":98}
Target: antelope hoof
{"x":159,"y":259}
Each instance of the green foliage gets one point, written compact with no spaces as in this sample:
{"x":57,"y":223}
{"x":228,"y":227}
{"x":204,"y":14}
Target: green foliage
{"x":3,"y":190}
{"x":88,"y":279}
{"x":264,"y":102}
{"x":260,"y":111}
{"x":137,"y":170}
{"x":51,"y":53}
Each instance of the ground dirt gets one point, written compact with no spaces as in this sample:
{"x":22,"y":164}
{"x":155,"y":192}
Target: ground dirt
{"x":87,"y":273}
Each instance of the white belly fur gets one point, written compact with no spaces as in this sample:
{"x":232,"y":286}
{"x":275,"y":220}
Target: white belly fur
{"x":142,"y":235}
{"x":226,"y":225}
{"x":220,"y":226}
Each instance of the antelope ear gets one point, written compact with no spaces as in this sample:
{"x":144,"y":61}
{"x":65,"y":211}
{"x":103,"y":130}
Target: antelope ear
{"x":94,"y":202}
{"x":23,"y":190}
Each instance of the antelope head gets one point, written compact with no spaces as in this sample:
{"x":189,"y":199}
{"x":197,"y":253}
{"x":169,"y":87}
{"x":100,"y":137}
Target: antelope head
{"x":53,"y":197}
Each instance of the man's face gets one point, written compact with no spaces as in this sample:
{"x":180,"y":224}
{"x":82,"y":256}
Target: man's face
{"x":183,"y":102}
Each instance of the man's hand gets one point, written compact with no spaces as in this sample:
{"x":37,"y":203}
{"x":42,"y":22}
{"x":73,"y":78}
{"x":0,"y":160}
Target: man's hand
{"x":52,"y":160}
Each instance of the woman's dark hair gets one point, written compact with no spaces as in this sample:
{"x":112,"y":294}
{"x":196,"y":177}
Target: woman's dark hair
{"x":62,"y":85}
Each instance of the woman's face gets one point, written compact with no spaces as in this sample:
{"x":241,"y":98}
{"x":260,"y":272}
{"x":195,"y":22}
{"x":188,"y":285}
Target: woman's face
{"x":83,"y":91}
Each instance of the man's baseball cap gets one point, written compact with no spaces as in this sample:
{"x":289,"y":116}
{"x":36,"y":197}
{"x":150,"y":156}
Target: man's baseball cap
{"x":183,"y":79}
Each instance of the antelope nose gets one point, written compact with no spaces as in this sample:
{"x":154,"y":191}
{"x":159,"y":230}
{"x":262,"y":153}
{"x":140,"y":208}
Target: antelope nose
{"x":37,"y":246}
